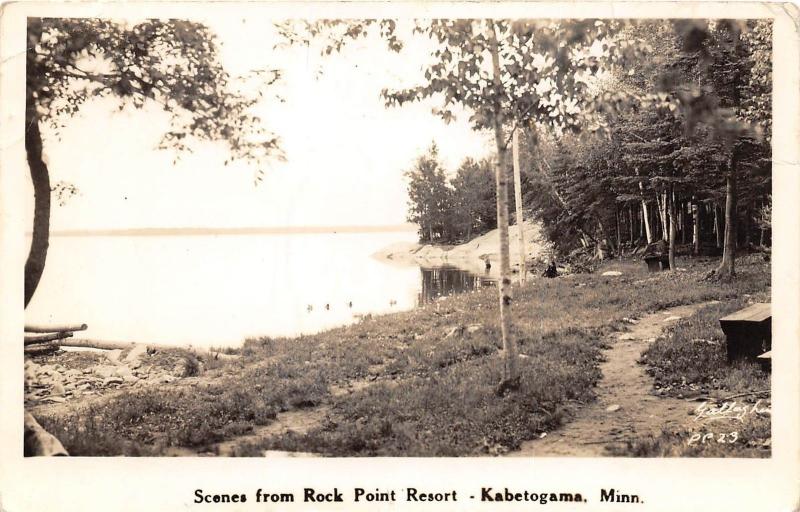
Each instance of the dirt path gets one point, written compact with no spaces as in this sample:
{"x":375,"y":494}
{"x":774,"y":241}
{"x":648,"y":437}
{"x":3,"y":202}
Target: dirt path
{"x":298,"y":421}
{"x":625,"y":389}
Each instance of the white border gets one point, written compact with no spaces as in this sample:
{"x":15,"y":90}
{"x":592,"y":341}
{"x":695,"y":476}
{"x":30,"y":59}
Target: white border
{"x":82,"y":484}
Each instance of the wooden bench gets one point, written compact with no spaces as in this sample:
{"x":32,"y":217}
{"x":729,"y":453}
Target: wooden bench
{"x":748,"y":332}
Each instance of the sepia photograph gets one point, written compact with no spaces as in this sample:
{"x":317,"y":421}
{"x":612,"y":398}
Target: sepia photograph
{"x":429,"y":237}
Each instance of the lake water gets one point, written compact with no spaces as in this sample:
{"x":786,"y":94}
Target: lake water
{"x":217,"y":290}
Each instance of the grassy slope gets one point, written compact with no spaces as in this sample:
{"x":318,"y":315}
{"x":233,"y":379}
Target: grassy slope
{"x":428,"y":394}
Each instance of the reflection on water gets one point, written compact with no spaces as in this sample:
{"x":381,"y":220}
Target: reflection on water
{"x":218,"y":290}
{"x":443,"y":281}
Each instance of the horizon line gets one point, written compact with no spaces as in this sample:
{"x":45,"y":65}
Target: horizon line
{"x":247,"y":230}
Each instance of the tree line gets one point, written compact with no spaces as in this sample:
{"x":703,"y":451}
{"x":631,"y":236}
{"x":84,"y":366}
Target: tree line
{"x":659,"y":172}
{"x":653,"y":172}
{"x":450,"y":210}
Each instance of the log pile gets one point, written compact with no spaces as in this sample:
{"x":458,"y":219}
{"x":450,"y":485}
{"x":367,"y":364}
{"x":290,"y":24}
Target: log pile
{"x":44,"y":340}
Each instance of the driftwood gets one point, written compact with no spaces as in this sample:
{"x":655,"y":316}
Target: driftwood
{"x":41,"y":338}
{"x":55,"y":328}
{"x":38,"y":441}
{"x":42,"y":348}
{"x":123,"y":345}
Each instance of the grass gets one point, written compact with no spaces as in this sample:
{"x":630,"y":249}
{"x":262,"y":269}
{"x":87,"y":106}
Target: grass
{"x":691,"y":360}
{"x":455,"y":411}
{"x":427,"y":393}
{"x":753,"y":440}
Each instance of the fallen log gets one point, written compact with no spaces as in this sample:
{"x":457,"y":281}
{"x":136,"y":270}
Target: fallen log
{"x":42,"y":338}
{"x":43,"y":348}
{"x":124,"y":345}
{"x":55,"y":328}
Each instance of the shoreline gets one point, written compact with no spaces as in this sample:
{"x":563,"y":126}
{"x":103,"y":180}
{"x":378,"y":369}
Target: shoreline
{"x":473,"y":255}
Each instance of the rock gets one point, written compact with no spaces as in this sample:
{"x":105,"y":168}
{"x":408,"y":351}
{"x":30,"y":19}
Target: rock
{"x":126,"y":374}
{"x":122,"y":371}
{"x":613,"y":408}
{"x":57,"y":389}
{"x":87,"y":370}
{"x":105,"y":371}
{"x":114,"y":355}
{"x":30,"y":374}
{"x":136,"y":363}
{"x":672,"y":318}
{"x":611,"y":273}
{"x":625,"y":336}
{"x":181,"y":369}
{"x":112,"y":380}
{"x":56,"y":399}
{"x":136,"y":352}
{"x":474,"y":328}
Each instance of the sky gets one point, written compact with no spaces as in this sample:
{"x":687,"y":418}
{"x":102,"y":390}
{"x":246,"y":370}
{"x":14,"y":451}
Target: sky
{"x":345,"y":151}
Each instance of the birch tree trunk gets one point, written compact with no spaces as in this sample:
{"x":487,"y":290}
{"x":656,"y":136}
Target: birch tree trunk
{"x":518,"y":202}
{"x":696,"y":227}
{"x":661,"y":202}
{"x":645,"y":214}
{"x":673,"y":225}
{"x":510,"y":350}
{"x":727,"y":267}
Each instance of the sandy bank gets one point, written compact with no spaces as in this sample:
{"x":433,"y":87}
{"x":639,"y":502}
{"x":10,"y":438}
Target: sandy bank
{"x":471,"y":255}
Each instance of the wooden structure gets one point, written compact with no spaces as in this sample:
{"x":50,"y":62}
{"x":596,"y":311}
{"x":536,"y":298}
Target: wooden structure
{"x":656,"y":256}
{"x":749,"y":332}
{"x":765,"y":360}
{"x":43,"y":339}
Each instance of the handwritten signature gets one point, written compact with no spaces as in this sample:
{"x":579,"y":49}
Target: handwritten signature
{"x":710,"y":411}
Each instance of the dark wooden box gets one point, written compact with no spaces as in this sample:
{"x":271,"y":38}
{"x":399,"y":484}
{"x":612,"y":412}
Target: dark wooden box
{"x":748,"y":332}
{"x":657,"y":263}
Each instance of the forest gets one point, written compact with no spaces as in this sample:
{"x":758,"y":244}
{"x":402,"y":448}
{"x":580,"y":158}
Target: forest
{"x":648,"y":170}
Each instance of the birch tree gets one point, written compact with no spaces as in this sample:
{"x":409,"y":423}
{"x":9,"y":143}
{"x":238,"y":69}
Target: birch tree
{"x":509,"y":74}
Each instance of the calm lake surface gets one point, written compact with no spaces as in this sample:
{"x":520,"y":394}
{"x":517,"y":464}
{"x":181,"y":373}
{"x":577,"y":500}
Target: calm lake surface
{"x":217,"y":290}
